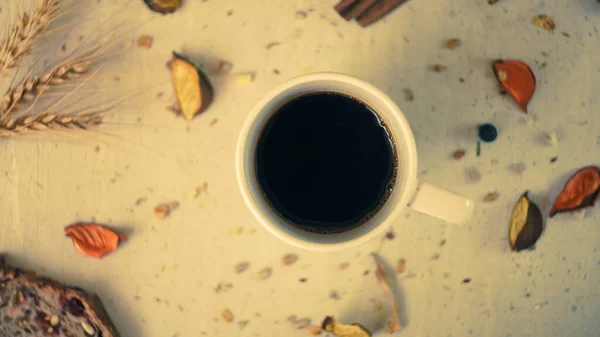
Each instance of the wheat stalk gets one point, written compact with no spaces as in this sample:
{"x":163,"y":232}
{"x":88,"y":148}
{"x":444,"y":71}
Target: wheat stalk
{"x":25,"y":31}
{"x":31,"y":88}
{"x":48,"y":122}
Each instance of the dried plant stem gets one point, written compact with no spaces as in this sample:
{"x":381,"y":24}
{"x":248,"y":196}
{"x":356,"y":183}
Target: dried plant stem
{"x":24,"y":32}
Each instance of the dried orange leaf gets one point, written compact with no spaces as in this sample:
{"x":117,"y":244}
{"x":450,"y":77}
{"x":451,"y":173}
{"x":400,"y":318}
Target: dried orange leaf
{"x":545,"y":22}
{"x":163,"y":6}
{"x":394,"y":323}
{"x":580,"y":191}
{"x":193,"y":90}
{"x":517,"y":79}
{"x":94,"y":240}
{"x":344,"y":330}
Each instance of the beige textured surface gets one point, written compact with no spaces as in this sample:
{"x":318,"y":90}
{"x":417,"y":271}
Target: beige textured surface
{"x":163,"y":281}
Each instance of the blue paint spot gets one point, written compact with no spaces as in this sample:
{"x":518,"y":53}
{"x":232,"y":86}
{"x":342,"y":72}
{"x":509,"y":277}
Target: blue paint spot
{"x":529,"y":273}
{"x":567,"y":290}
{"x":574,"y":308}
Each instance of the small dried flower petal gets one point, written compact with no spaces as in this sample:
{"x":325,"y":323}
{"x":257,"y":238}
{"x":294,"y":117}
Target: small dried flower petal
{"x":580,"y":191}
{"x":94,"y":240}
{"x":545,"y":22}
{"x":227,"y":316}
{"x":453,"y":44}
{"x":289,"y":259}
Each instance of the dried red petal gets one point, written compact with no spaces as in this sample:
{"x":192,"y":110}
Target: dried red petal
{"x":580,"y":191}
{"x":94,"y":240}
{"x":517,"y":79}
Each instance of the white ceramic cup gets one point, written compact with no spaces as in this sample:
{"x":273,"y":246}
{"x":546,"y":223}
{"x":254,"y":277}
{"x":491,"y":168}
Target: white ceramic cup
{"x":419,"y":196}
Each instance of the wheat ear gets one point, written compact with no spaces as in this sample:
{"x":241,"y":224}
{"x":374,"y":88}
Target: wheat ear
{"x":48,"y":122}
{"x":31,"y":88}
{"x":25,"y":31}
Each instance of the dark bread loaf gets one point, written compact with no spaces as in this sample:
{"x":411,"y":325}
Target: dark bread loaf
{"x":34,"y":306}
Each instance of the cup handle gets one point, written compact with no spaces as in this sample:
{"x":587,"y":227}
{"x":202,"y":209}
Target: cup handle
{"x":442,"y":204}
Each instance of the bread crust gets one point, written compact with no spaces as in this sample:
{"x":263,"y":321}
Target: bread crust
{"x":33,"y":288}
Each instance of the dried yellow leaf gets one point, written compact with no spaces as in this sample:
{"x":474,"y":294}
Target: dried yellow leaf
{"x":193,"y":90}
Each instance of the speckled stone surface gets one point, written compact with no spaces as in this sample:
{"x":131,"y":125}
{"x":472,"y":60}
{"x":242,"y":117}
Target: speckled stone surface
{"x":175,"y":276}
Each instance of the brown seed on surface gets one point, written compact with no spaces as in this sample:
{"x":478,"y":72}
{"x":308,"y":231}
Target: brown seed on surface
{"x":438,"y":68}
{"x":545,"y":22}
{"x":162,"y":211}
{"x":453,"y":44}
{"x":301,"y":15}
{"x":553,"y":159}
{"x":145,"y":41}
{"x":400,"y":266}
{"x":492,"y":196}
{"x":289,"y":259}
{"x":491,"y":2}
{"x":545,"y":54}
{"x":458,"y":154}
{"x":265,"y":273}
{"x":227,"y":316}
{"x":409,"y":95}
{"x":390,"y":235}
{"x":242,"y":267}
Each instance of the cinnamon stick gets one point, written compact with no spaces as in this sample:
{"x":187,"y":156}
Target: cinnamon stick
{"x":379,"y":10}
{"x":344,"y":5}
{"x":358,"y":9}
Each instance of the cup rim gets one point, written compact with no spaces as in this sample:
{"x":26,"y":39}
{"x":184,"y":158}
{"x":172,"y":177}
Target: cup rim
{"x":407,"y":155}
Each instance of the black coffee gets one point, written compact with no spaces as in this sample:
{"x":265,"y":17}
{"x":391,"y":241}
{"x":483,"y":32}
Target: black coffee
{"x":325,"y":162}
